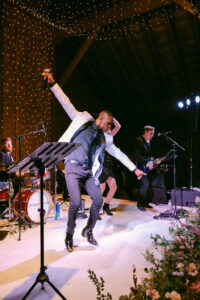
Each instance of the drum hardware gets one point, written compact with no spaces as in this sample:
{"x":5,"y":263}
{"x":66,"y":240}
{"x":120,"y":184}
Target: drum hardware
{"x":9,"y":192}
{"x":3,"y":204}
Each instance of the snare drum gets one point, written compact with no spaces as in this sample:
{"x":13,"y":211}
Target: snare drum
{"x":30,"y":204}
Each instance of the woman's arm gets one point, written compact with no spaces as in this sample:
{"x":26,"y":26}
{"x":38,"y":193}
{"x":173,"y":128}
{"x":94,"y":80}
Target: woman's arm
{"x":116,"y":128}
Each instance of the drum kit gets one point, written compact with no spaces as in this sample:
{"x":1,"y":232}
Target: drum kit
{"x":30,"y":199}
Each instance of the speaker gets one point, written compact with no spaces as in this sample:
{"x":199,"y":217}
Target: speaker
{"x":159,"y":196}
{"x":184,"y":197}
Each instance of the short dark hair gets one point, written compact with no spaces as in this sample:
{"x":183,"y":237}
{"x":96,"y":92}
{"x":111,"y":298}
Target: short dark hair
{"x":4,"y":140}
{"x":107,"y":112}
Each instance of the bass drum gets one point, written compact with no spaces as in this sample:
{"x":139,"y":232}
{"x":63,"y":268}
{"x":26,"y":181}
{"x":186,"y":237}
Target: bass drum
{"x":4,"y":196}
{"x":30,"y":204}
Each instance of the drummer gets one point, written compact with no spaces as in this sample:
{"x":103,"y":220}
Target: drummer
{"x":5,"y":159}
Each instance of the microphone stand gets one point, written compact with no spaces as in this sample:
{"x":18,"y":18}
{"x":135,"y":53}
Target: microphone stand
{"x":19,"y":137}
{"x":169,"y":213}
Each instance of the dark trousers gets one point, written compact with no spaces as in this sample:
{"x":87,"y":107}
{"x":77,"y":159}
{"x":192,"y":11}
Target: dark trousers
{"x":147,"y":185}
{"x":76,"y":175}
{"x":145,"y":190}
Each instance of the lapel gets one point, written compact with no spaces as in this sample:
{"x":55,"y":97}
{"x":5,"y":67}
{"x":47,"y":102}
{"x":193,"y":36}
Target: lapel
{"x":75,"y":125}
{"x":83,"y":127}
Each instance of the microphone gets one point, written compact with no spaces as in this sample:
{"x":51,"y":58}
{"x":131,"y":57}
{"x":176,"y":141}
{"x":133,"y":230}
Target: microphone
{"x":163,"y":133}
{"x":43,"y":129}
{"x":46,"y":79}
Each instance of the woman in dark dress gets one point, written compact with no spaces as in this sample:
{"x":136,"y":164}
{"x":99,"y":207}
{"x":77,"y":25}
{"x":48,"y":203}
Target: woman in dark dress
{"x":107,"y":175}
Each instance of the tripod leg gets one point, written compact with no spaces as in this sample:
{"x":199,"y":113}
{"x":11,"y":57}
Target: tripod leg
{"x":30,"y":290}
{"x":56,"y":290}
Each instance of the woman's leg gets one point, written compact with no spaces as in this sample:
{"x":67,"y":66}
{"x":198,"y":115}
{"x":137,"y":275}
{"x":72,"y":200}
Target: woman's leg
{"x":112,"y":189}
{"x":102,"y":187}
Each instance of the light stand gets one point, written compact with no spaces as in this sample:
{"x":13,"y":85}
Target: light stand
{"x":172,"y":213}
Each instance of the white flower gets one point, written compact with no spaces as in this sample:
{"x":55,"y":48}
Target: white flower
{"x":153,"y":294}
{"x":197,"y":199}
{"x":192,"y":269}
{"x":173,"y":295}
{"x":178,"y":273}
{"x":180,"y":265}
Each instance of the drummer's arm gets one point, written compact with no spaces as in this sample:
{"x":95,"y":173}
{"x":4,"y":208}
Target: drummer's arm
{"x":22,"y":173}
{"x":2,"y":158}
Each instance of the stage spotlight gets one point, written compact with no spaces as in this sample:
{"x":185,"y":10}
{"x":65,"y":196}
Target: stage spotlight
{"x":197,"y":99}
{"x":188,"y":102}
{"x":180,"y":104}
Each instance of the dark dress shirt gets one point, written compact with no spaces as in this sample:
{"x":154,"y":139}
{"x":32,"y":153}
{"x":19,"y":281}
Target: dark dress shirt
{"x":142,"y":151}
{"x":5,"y":157}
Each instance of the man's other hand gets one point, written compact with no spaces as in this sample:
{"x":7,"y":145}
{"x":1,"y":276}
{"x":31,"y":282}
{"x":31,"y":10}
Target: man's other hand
{"x":139,"y":173}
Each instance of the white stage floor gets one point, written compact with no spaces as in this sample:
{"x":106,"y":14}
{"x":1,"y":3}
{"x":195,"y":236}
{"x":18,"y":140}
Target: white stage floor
{"x":123,"y":238}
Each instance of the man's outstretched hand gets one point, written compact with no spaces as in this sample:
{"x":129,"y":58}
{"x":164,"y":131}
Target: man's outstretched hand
{"x":139,"y":173}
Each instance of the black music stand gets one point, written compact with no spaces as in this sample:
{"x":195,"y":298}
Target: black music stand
{"x":46,"y":156}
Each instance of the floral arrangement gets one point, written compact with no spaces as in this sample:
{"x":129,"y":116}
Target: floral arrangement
{"x":176,"y":275}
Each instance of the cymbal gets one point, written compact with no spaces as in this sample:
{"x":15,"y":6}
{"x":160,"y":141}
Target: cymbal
{"x":2,"y":167}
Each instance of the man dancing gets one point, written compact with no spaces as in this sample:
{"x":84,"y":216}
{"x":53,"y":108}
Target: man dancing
{"x":84,"y":165}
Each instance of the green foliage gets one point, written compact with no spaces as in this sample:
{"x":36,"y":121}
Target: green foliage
{"x":176,"y":275}
{"x":99,"y":286}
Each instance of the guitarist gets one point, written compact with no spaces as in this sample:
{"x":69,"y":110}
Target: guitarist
{"x":142,"y":153}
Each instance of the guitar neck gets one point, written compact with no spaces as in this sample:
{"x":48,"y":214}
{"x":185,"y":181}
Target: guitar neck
{"x":161,"y":159}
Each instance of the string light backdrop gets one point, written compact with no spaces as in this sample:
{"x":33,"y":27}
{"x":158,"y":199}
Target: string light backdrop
{"x":112,"y":19}
{"x":26,"y":49}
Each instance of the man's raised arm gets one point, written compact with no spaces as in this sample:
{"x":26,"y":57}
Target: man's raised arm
{"x":61,"y":96}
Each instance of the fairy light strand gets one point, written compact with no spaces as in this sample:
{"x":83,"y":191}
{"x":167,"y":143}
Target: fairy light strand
{"x":27,"y":49}
{"x":81,"y":17}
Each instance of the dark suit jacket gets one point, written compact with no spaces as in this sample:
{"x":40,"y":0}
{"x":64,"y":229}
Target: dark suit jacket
{"x":4,"y":158}
{"x":142,"y":151}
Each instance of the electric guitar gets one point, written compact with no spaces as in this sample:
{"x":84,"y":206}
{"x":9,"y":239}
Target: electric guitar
{"x":145,"y":168}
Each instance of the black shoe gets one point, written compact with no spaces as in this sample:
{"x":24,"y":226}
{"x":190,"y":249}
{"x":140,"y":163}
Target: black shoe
{"x":107,"y":209}
{"x":89,"y":235}
{"x":140,"y":207}
{"x":69,"y":242}
{"x":148,"y":206}
{"x":99,"y":218}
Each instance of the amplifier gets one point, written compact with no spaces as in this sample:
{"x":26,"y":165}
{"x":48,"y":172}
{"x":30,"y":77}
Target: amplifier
{"x":184,"y":197}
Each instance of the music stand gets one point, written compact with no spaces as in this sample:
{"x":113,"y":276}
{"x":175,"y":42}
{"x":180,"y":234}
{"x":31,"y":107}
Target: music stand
{"x":46,"y":156}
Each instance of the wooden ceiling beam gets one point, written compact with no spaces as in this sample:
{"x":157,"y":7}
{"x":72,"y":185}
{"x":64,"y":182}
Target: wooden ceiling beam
{"x":132,"y":47}
{"x":188,"y":6}
{"x":117,"y":91}
{"x":79,"y":55}
{"x":115,"y":14}
{"x":196,"y":31}
{"x":156,"y":56}
{"x":177,"y":51}
{"x":130,"y":84}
